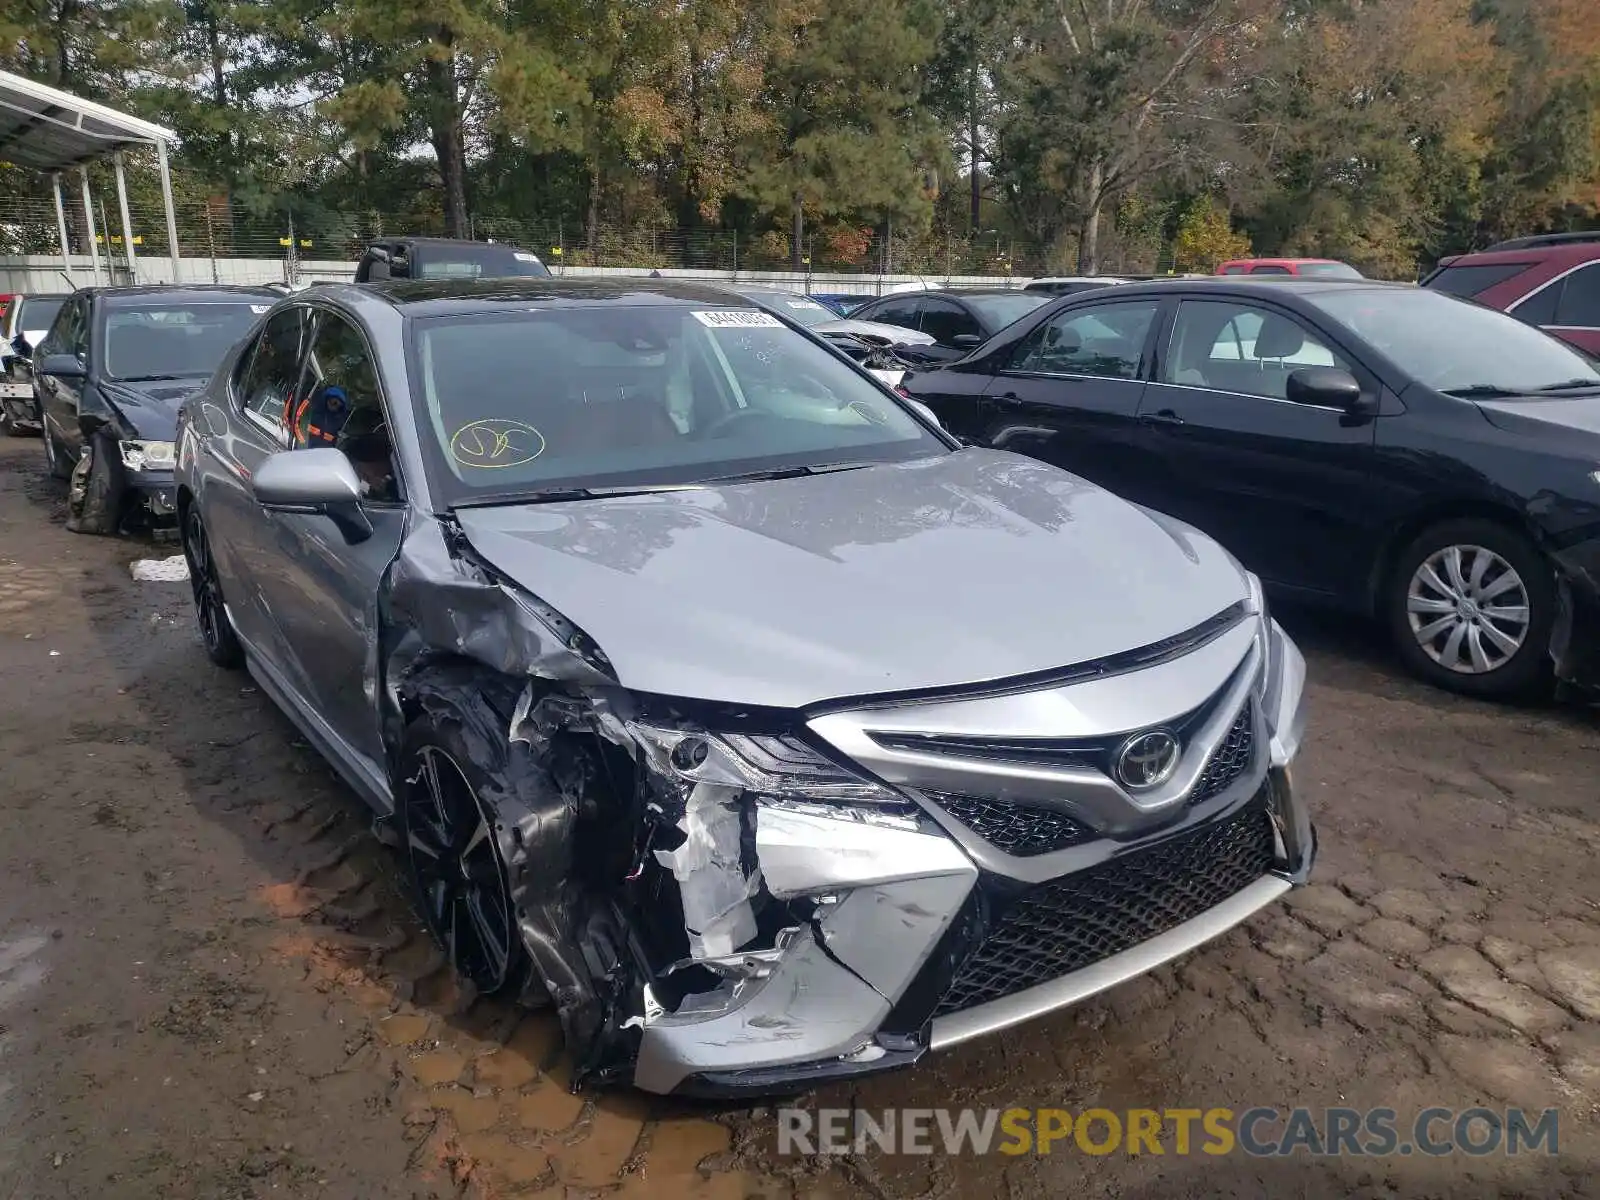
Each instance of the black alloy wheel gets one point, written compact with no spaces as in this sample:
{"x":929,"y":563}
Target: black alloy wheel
{"x":216,"y":631}
{"x":455,"y":868}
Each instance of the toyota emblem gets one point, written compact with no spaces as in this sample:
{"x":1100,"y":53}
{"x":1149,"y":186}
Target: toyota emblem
{"x":1147,"y":760}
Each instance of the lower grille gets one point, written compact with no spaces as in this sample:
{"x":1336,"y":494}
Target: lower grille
{"x":1015,"y":828}
{"x":1066,"y":925}
{"x":1229,"y":760}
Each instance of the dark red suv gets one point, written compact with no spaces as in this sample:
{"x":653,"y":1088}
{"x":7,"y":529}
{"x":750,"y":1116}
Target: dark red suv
{"x":1552,"y":281}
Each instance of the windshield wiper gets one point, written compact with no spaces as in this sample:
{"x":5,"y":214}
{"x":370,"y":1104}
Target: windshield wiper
{"x":1483,"y":391}
{"x":154,"y":378}
{"x":1568,"y":385}
{"x":790,"y":472}
{"x":557,"y":495}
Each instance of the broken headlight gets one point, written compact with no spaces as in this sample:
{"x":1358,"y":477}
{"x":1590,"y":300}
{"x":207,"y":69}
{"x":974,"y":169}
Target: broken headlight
{"x":769,"y":765}
{"x":148,"y":456}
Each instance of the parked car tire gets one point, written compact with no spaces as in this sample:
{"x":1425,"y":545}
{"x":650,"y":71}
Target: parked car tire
{"x":1470,"y":604}
{"x":452,"y":754}
{"x":94,"y":498}
{"x":54,"y":461}
{"x":216,"y":631}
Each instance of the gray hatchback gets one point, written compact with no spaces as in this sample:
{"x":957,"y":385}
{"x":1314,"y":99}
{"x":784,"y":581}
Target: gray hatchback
{"x":714,"y":695}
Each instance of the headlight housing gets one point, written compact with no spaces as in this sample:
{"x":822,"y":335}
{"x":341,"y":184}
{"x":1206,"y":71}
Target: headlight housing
{"x":767,"y":765}
{"x":148,"y":456}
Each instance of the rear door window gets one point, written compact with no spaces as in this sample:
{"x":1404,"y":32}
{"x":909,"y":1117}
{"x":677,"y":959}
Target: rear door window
{"x":1540,"y":308}
{"x":1580,"y":300}
{"x":1470,"y":279}
{"x":1107,"y":340}
{"x":945,"y":320}
{"x":895,"y":312}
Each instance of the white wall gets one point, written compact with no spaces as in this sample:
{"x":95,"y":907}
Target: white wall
{"x":42,"y":273}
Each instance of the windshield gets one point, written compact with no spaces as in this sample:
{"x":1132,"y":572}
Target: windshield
{"x":1334,"y":270}
{"x":38,"y":313}
{"x":999,"y":311}
{"x":618,"y":396}
{"x":175,"y":341}
{"x":1455,"y":345}
{"x":485,"y":261}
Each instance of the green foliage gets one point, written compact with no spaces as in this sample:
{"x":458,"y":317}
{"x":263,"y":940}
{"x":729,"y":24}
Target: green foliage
{"x":936,"y":135}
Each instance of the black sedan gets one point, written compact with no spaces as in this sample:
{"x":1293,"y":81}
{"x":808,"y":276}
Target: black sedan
{"x":108,"y":379}
{"x":958,"y":320}
{"x":1392,"y":451}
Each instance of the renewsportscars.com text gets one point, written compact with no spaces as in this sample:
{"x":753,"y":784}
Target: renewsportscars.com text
{"x":1259,"y":1132}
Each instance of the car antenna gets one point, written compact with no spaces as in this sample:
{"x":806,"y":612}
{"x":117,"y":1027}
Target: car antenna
{"x":71,"y":283}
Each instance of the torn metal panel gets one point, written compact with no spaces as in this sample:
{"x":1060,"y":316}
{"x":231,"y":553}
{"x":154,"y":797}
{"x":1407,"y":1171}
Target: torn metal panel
{"x":885,"y":933}
{"x":713,"y":882}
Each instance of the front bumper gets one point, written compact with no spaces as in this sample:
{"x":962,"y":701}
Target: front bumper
{"x":970,"y":916}
{"x":1575,"y":640}
{"x":153,"y":492}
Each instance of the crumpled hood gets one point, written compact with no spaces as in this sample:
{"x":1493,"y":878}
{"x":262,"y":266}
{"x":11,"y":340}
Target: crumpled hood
{"x":1549,"y":416}
{"x":151,"y":408}
{"x":893,"y":335}
{"x":974,"y":566}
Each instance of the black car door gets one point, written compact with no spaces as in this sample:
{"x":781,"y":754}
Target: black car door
{"x":1069,"y":393}
{"x":59,"y":397}
{"x":1281,"y":484}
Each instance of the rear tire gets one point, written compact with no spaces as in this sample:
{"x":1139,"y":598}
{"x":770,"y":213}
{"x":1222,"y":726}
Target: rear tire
{"x":1470,"y":604}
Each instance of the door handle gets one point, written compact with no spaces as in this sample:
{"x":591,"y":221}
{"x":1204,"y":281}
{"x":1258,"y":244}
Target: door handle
{"x":1165,"y":417}
{"x":1009,"y":396}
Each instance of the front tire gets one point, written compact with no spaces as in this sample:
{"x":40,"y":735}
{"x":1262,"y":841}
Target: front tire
{"x":1470,"y":604}
{"x":216,"y":631}
{"x":450,"y":838}
{"x":94,"y":499}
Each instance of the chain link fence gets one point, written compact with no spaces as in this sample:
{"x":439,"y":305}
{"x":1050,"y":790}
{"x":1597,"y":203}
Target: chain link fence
{"x":216,"y":229}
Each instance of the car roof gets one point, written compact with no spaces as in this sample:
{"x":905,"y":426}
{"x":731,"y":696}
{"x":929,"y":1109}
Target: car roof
{"x":166,"y":291}
{"x":972,"y":291}
{"x":1233,"y":262}
{"x":1235,"y":285}
{"x":439,"y":297}
{"x":1562,"y":253}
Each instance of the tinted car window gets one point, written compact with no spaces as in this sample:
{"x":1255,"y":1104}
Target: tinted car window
{"x":1580,"y":300}
{"x":1330,"y":270}
{"x":945,"y":320}
{"x":69,"y":333}
{"x":174,"y":341}
{"x":1107,"y":340}
{"x":894,"y":312}
{"x":38,"y":312}
{"x":1448,"y":344}
{"x":618,"y":395}
{"x":1469,"y":279}
{"x":1240,"y":348}
{"x":1540,"y":308}
{"x":486,"y":261}
{"x":1270,"y":270}
{"x":340,"y":405}
{"x":998,"y":311}
{"x":268,"y":383}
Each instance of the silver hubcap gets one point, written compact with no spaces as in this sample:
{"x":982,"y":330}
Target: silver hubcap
{"x":1469,"y":609}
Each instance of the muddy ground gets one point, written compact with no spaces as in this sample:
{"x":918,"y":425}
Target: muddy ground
{"x":212,"y":987}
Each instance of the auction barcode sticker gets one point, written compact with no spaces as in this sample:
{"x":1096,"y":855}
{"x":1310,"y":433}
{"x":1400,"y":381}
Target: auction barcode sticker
{"x":737,"y":318}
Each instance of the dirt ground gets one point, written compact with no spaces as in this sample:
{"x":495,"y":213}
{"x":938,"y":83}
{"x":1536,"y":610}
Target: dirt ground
{"x":212,"y":987}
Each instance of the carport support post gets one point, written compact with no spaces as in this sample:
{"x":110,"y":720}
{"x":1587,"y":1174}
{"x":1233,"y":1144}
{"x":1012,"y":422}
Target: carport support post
{"x":172,"y":217}
{"x":88,"y":223}
{"x":61,"y":229}
{"x":127,"y":221}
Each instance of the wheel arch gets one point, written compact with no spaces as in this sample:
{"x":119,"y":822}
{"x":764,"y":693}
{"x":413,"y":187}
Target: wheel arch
{"x":1414,"y":523}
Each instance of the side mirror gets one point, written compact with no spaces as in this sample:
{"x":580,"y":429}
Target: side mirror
{"x":923,"y":411}
{"x":966,"y":341}
{"x":62,"y":366}
{"x":317,"y":482}
{"x":1330,"y":387}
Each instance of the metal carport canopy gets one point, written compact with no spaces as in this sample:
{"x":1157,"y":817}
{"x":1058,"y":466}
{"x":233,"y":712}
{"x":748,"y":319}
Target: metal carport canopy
{"x":50,"y":130}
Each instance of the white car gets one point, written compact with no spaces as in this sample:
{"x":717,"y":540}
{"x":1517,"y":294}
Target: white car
{"x":22,"y":327}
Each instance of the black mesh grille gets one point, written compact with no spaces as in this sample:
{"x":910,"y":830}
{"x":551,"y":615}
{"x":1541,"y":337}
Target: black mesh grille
{"x":1229,"y":760}
{"x":1063,"y":926}
{"x":1015,"y":828}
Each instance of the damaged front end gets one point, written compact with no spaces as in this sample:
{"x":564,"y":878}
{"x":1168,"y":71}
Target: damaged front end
{"x":730,"y":901}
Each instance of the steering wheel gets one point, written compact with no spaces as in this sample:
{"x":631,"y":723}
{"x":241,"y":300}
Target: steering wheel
{"x":727,"y":421}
